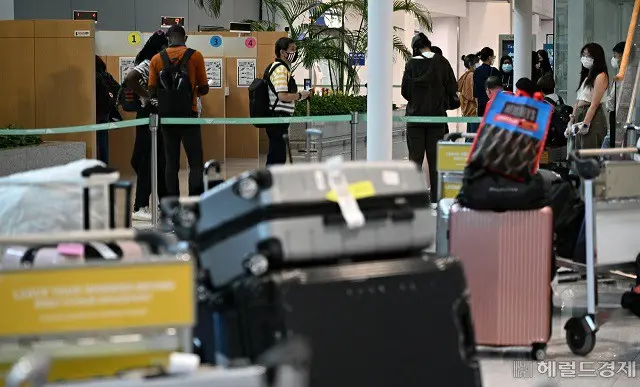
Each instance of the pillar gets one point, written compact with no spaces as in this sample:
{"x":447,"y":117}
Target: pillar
{"x":522,"y":31}
{"x":380,"y":80}
{"x":6,"y":10}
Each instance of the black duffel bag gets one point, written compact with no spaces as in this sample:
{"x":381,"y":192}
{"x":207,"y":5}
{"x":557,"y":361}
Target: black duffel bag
{"x":487,"y":191}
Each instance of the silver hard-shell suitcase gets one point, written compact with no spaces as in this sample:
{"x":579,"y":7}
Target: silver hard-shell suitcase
{"x":304,"y":212}
{"x":442,"y":227}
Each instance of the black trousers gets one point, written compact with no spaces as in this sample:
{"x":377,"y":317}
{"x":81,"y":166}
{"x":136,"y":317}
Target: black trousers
{"x":277,"y":153}
{"x":102,"y":142}
{"x":421,"y":140}
{"x":190,"y":137}
{"x":141,"y":163}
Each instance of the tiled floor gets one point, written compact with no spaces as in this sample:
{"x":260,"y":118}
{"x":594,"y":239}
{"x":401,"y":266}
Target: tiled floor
{"x":617,"y":341}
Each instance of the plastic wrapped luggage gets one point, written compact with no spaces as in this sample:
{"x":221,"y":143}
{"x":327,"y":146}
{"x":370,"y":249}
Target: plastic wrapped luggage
{"x":375,"y":324}
{"x":23,"y":210}
{"x":507,"y":257}
{"x":292,"y":215}
{"x":442,"y":227}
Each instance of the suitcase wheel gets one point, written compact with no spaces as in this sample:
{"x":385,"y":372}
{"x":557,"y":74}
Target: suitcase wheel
{"x":538,"y":352}
{"x":581,"y":334}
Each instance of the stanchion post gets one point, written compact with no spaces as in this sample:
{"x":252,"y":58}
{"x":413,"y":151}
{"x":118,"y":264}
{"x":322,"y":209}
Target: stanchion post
{"x":154,"y":126}
{"x":354,"y":135}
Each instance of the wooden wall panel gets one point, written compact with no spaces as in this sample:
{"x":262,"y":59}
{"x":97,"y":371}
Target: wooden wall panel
{"x":241,"y":140}
{"x":17,"y":74}
{"x":65,"y":78}
{"x":213,"y":136}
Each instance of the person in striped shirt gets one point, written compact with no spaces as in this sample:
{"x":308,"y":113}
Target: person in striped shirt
{"x":283,"y":94}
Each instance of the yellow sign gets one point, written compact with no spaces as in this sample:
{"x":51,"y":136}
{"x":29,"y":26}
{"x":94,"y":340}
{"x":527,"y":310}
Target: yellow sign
{"x":134,"y":38}
{"x":96,"y":298}
{"x":545,"y":158}
{"x":450,"y":190}
{"x":452,"y":157}
{"x":359,"y":190}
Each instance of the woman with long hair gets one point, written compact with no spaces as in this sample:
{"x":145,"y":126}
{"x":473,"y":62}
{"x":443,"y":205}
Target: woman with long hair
{"x":544,"y":64}
{"x":590,"y":121}
{"x":468,"y":104}
{"x":480,"y":76}
{"x":506,"y":72}
{"x":137,"y":80}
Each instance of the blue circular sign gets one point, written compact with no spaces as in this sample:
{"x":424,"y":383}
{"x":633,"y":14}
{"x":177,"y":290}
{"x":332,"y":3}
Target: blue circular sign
{"x":216,"y":41}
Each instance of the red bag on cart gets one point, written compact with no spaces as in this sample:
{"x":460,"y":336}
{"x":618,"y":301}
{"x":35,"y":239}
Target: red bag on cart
{"x":512,"y":134}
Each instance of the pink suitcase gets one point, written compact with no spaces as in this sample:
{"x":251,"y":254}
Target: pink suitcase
{"x":507,"y":260}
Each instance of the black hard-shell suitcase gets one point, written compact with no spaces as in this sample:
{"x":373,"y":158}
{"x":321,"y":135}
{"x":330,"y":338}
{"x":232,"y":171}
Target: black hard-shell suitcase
{"x":403,"y":322}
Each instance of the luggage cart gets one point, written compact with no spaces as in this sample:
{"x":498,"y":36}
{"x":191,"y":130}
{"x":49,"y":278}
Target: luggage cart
{"x":451,"y":161}
{"x":581,"y":331}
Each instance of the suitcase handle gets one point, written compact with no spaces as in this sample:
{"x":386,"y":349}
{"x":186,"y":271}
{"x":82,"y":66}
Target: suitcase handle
{"x":467,"y":340}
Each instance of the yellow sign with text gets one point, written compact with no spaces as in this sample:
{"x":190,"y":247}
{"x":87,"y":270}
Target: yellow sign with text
{"x":450,"y":190}
{"x":452,"y":157}
{"x":359,"y":190}
{"x":97,"y":298}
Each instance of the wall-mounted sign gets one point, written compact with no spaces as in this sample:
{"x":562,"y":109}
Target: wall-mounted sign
{"x":168,"y":21}
{"x":85,"y":15}
{"x":82,"y":34}
{"x":246,"y":72}
{"x":134,"y":38}
{"x":250,"y":42}
{"x":215,"y":41}
{"x":357,"y":58}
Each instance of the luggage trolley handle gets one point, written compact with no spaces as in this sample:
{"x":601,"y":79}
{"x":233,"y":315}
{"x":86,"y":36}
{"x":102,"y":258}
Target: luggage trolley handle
{"x":455,"y":136}
{"x":589,"y":168}
{"x":215,"y":165}
{"x":156,"y":241}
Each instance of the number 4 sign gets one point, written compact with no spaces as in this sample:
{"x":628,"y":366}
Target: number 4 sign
{"x":250,"y":42}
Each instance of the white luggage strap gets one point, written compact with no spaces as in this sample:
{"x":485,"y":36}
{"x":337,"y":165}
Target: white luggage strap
{"x":338,"y":183}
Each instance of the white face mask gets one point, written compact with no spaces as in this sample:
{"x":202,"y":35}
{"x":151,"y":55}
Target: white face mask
{"x":587,"y":62}
{"x":615,"y":63}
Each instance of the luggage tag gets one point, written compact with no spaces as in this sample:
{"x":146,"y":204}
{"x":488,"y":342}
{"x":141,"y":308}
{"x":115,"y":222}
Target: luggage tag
{"x":104,"y":250}
{"x":338,"y":183}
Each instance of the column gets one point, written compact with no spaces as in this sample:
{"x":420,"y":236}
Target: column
{"x":380,"y":80}
{"x":522,"y":31}
{"x":6,"y":10}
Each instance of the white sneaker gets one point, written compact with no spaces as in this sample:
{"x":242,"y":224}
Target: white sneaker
{"x":143,"y":214}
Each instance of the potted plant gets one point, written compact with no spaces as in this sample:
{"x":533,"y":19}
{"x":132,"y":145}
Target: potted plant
{"x":22,"y":153}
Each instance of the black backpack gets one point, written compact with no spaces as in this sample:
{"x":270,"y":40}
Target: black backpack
{"x":175,"y":93}
{"x":559,"y":121}
{"x":106,"y":93}
{"x":259,"y":103}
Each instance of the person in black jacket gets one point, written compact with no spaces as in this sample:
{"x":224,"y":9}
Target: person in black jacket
{"x":429,"y":85}
{"x":480,"y":76}
{"x":506,"y":72}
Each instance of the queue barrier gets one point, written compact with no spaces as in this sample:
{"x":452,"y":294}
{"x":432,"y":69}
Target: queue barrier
{"x":154,"y":122}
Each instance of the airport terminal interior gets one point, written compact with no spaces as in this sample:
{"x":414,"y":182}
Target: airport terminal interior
{"x":100,"y":97}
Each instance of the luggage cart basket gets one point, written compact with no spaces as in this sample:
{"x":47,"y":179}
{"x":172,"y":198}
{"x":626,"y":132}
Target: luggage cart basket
{"x":581,"y":331}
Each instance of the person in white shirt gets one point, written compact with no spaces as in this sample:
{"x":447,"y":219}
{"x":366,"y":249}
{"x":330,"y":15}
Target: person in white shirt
{"x":590,"y":122}
{"x":138,"y":80}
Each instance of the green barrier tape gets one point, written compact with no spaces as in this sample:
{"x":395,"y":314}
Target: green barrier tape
{"x":438,"y":120}
{"x":231,"y":121}
{"x":259,"y":121}
{"x":75,"y":129}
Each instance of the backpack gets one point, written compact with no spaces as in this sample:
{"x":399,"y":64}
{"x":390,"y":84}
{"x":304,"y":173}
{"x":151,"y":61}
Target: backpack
{"x":128,"y":99}
{"x":175,"y":93}
{"x":259,"y":102}
{"x":559,"y":121}
{"x":106,"y":93}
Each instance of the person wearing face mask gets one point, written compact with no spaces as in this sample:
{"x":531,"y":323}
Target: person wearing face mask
{"x":480,"y":76}
{"x":428,"y":84}
{"x":282,"y":96}
{"x":589,"y":122}
{"x":506,"y":72}
{"x":544,"y":63}
{"x":613,"y":96}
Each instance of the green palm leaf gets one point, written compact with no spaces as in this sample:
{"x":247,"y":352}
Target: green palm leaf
{"x":211,"y":7}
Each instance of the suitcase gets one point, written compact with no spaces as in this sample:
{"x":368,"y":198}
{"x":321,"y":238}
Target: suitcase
{"x":442,"y":227}
{"x":401,"y":322}
{"x":48,"y":255}
{"x":507,"y":257}
{"x":292,"y":215}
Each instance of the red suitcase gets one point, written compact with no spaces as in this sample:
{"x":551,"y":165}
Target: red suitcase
{"x":507,"y":260}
